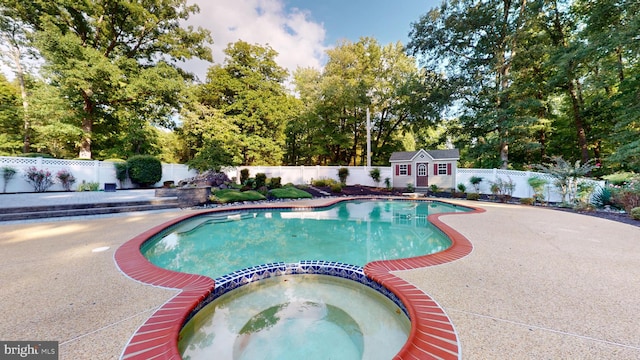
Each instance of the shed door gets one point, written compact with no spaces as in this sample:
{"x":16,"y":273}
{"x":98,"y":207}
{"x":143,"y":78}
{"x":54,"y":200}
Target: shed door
{"x":422,"y":174}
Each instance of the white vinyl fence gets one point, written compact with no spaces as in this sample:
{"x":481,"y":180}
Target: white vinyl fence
{"x":104,"y":172}
{"x":89,"y":171}
{"x":306,"y":174}
{"x":518,"y":178}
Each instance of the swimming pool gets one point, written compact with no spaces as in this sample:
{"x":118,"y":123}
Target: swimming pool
{"x":353,"y":232}
{"x":431,"y":331}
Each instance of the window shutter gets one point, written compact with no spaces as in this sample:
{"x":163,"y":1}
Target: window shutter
{"x":435,"y":169}
{"x":449,"y":169}
{"x":409,"y":169}
{"x":397,"y":170}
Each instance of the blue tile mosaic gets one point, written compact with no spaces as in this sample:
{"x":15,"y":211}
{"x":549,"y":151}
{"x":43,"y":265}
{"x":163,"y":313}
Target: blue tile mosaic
{"x":243,"y":277}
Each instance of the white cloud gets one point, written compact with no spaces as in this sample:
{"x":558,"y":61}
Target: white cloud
{"x":298,"y":40}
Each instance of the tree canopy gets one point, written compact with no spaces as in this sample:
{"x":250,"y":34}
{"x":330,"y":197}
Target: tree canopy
{"x":331,"y":128}
{"x":248,"y":90}
{"x":115,"y":62}
{"x":509,"y":83}
{"x":536,"y":78}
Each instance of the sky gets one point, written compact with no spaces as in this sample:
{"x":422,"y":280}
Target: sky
{"x":301,"y":30}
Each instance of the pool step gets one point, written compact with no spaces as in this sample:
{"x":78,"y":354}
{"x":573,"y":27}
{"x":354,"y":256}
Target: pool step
{"x":213,"y":219}
{"x":43,"y":212}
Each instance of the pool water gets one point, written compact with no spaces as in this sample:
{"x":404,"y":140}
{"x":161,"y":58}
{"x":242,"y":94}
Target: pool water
{"x":351,"y":232}
{"x":297,"y":317}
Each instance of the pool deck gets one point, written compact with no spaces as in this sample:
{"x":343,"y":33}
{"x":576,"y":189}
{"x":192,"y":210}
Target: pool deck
{"x":538,"y":284}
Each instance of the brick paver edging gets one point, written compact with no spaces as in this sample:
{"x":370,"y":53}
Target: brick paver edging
{"x":432,"y":335}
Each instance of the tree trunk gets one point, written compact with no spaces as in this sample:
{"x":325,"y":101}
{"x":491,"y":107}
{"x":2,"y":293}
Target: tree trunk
{"x":572,"y":88}
{"x":26,"y":146}
{"x":578,"y":122}
{"x":620,"y":64}
{"x":87,"y":126}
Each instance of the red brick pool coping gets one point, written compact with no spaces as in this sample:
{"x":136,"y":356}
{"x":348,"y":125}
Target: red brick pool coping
{"x":432,"y":335}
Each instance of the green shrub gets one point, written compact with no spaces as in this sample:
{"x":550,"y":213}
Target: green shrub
{"x":628,"y":197}
{"x":122,"y":171}
{"x":319,"y":182}
{"x":323,"y":182}
{"x":336,"y":188}
{"x":289,"y":193}
{"x":261,"y":180}
{"x":89,"y":186}
{"x":434,"y":188}
{"x":584,"y":193}
{"x":473,"y":196}
{"x":475,"y":181}
{"x":527,"y":201}
{"x":274,"y":183}
{"x":619,"y":178}
{"x":387,"y":183}
{"x":343,"y":173}
{"x":249,"y":184}
{"x":37,"y":155}
{"x":410,"y":187}
{"x":635,"y":213}
{"x":462,"y":188}
{"x":144,"y":170}
{"x":375,"y":175}
{"x":8,"y":173}
{"x":537,"y":184}
{"x":244,"y":175}
{"x":602,"y":197}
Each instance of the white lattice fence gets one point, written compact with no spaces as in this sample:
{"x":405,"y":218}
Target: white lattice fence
{"x":100,"y":172}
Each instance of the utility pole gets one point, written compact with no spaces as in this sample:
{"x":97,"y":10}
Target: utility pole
{"x":368,"y":139}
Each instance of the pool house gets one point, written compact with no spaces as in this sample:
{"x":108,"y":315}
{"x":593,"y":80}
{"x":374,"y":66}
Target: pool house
{"x":424,"y":168}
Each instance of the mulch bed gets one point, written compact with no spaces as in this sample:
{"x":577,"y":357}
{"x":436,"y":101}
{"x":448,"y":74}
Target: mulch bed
{"x":354,"y":190}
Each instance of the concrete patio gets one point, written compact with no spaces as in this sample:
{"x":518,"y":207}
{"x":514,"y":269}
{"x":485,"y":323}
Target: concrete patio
{"x":539,"y":284}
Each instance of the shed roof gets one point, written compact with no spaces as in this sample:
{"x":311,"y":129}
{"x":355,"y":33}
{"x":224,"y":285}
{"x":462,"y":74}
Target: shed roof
{"x":435,"y":154}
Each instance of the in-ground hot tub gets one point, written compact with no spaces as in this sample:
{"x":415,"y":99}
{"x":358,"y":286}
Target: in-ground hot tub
{"x":297,"y":317}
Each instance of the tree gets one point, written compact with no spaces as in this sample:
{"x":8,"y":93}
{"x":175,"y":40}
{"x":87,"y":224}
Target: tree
{"x":114,"y":61}
{"x":537,"y":77}
{"x":10,"y":124}
{"x":248,"y":89}
{"x":52,"y":118}
{"x":567,"y":175}
{"x":14,"y":36}
{"x":360,"y":76}
{"x":478,"y":42}
{"x":208,"y":137}
{"x":611,"y":97}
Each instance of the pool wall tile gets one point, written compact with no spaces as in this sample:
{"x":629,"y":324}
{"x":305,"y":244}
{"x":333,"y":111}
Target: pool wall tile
{"x":432,"y":336}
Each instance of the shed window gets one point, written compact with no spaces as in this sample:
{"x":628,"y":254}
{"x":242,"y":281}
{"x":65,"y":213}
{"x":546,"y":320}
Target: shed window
{"x":442,"y":169}
{"x":404,"y":169}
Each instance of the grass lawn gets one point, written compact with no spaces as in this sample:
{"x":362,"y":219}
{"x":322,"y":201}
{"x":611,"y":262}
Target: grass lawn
{"x":230,"y":195}
{"x":289,"y":192}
